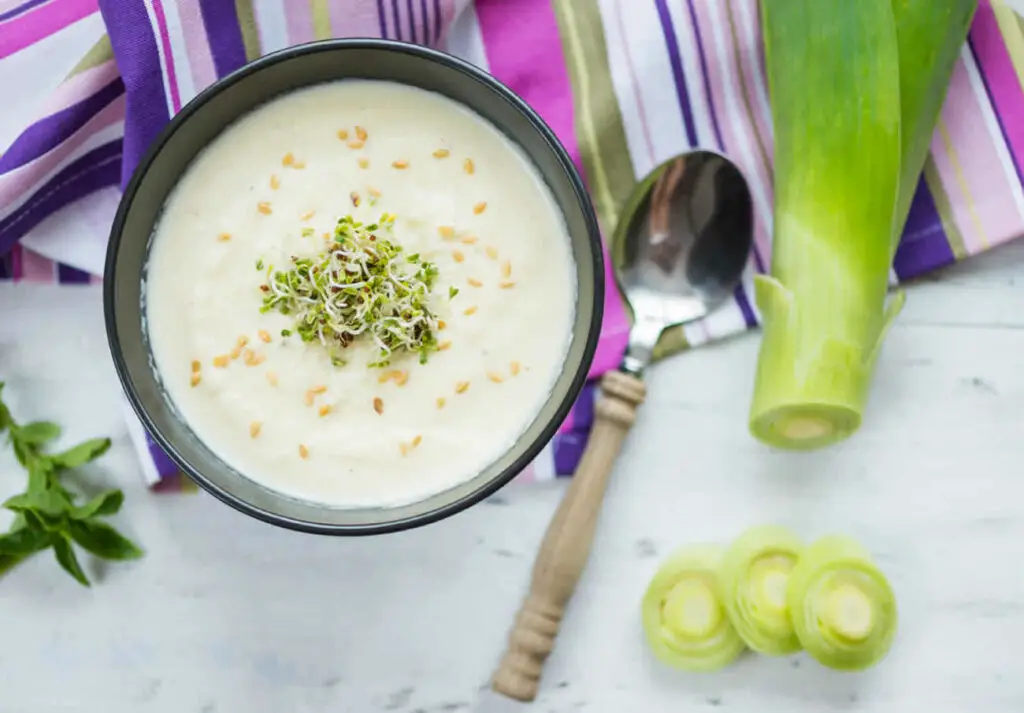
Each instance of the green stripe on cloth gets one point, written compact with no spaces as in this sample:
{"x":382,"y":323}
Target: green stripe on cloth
{"x":100,"y":52}
{"x":247,"y":25}
{"x":601,"y":136}
{"x":943,"y":208}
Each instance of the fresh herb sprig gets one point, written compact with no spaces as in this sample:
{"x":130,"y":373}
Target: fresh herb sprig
{"x":361,"y":286}
{"x":47,"y":514}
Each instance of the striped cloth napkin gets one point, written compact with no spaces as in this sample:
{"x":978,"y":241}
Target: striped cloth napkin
{"x":625,"y":84}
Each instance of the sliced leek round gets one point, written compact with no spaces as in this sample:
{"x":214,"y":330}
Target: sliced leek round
{"x":683,"y":614}
{"x":842,"y":607}
{"x":755,"y":578}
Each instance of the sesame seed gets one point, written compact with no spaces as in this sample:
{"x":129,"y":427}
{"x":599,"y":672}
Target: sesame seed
{"x":356,"y":200}
{"x":307,"y":215}
{"x":264,"y":207}
{"x":443,"y":346}
{"x":299,"y":165}
{"x":473,"y":282}
{"x":441,"y":324}
{"x":492,"y":252}
{"x":514,"y":367}
{"x":272,"y":378}
{"x":417,"y":440}
{"x":343,"y":134}
{"x":264,"y":335}
{"x":303,"y":452}
{"x":221,"y":361}
{"x":324,"y":410}
{"x":378,"y":405}
{"x":254,"y":429}
{"x":224,"y":237}
{"x":460,"y":387}
{"x":242,"y":340}
{"x":506,"y":285}
{"x":506,"y":269}
{"x":355,"y":144}
{"x":446,"y":231}
{"x":470,"y":240}
{"x":310,"y":398}
{"x":469,"y":310}
{"x":404,"y":447}
{"x":468,"y":166}
{"x":401,"y":377}
{"x":361,"y":133}
{"x":401,"y":164}
{"x":441,"y":401}
{"x":480,"y":207}
{"x":364,"y":163}
{"x":248,"y":355}
{"x":288,"y":159}
{"x":321,"y":389}
{"x":375,"y":192}
{"x":442,"y":153}
{"x":196,"y":378}
{"x":236,"y":352}
{"x":458,"y":256}
{"x":495,"y":377}
{"x":275,"y":182}
{"x":196,"y":366}
{"x":384,"y":377}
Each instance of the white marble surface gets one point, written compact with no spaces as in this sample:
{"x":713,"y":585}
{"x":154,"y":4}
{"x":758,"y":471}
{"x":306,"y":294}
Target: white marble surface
{"x":229,"y":615}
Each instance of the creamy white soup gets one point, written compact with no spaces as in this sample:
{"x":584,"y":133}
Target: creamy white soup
{"x":382,"y":359}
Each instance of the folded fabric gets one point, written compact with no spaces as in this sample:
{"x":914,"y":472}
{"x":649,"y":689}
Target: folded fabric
{"x":625,"y":85}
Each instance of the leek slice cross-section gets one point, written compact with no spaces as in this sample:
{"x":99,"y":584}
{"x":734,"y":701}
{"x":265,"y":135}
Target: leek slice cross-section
{"x":684,"y":618}
{"x":755,"y":579}
{"x":842,"y":607}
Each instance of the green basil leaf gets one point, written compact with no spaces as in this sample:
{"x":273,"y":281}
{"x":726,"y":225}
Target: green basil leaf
{"x":38,"y":432}
{"x":52,"y":502}
{"x":106,"y":503}
{"x":9,"y":562}
{"x":82,"y":453}
{"x":24,"y":542}
{"x":5,"y":414}
{"x":103,"y":540}
{"x":65,"y":555}
{"x":22,"y":451}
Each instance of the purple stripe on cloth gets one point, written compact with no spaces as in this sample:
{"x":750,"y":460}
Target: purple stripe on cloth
{"x":67,"y":275}
{"x":583,"y":409}
{"x":438,"y":22}
{"x":6,"y":268}
{"x":1000,"y":118}
{"x":21,"y":9}
{"x":428,"y":32}
{"x":924,"y":245}
{"x":46,"y":134}
{"x":749,"y":318}
{"x":146,"y":113}
{"x":382,"y":17}
{"x":704,"y":75}
{"x":411,"y":18}
{"x":682,"y":94}
{"x":224,"y":35}
{"x":568,"y":449}
{"x":165,"y":467}
{"x":97,"y":169}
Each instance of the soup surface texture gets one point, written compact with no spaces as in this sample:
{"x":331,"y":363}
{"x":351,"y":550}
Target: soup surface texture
{"x":310,"y":417}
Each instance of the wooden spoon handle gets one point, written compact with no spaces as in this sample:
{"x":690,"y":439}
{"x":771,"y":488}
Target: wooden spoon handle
{"x":566,"y":544}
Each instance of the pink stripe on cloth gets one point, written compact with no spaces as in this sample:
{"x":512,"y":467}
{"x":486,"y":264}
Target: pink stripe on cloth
{"x":969,"y":167}
{"x":168,"y":55}
{"x":300,"y":22}
{"x":1001,"y":77}
{"x":36,"y":268}
{"x":14,"y":185}
{"x":41,"y":22}
{"x":197,"y":45}
{"x":80,"y":87}
{"x":524,"y":50}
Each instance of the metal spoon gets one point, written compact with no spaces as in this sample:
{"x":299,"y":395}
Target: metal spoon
{"x":679,"y":251}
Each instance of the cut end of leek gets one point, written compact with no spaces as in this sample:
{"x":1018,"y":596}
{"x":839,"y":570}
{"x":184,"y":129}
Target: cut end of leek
{"x":842,"y":607}
{"x":683,"y":615}
{"x":755,"y":578}
{"x":802,"y":426}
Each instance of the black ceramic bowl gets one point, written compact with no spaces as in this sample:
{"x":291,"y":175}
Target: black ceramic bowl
{"x":193,"y":129}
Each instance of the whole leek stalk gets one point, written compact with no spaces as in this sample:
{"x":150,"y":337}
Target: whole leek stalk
{"x":842,"y":607}
{"x":755,"y":578}
{"x":855,"y":88}
{"x":683,"y":616}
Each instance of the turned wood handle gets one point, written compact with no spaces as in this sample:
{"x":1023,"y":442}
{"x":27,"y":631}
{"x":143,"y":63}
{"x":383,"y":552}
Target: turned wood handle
{"x":566,"y":544}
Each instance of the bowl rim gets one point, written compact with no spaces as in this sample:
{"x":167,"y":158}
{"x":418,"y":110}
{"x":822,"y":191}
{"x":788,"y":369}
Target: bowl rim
{"x":447,"y":509}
